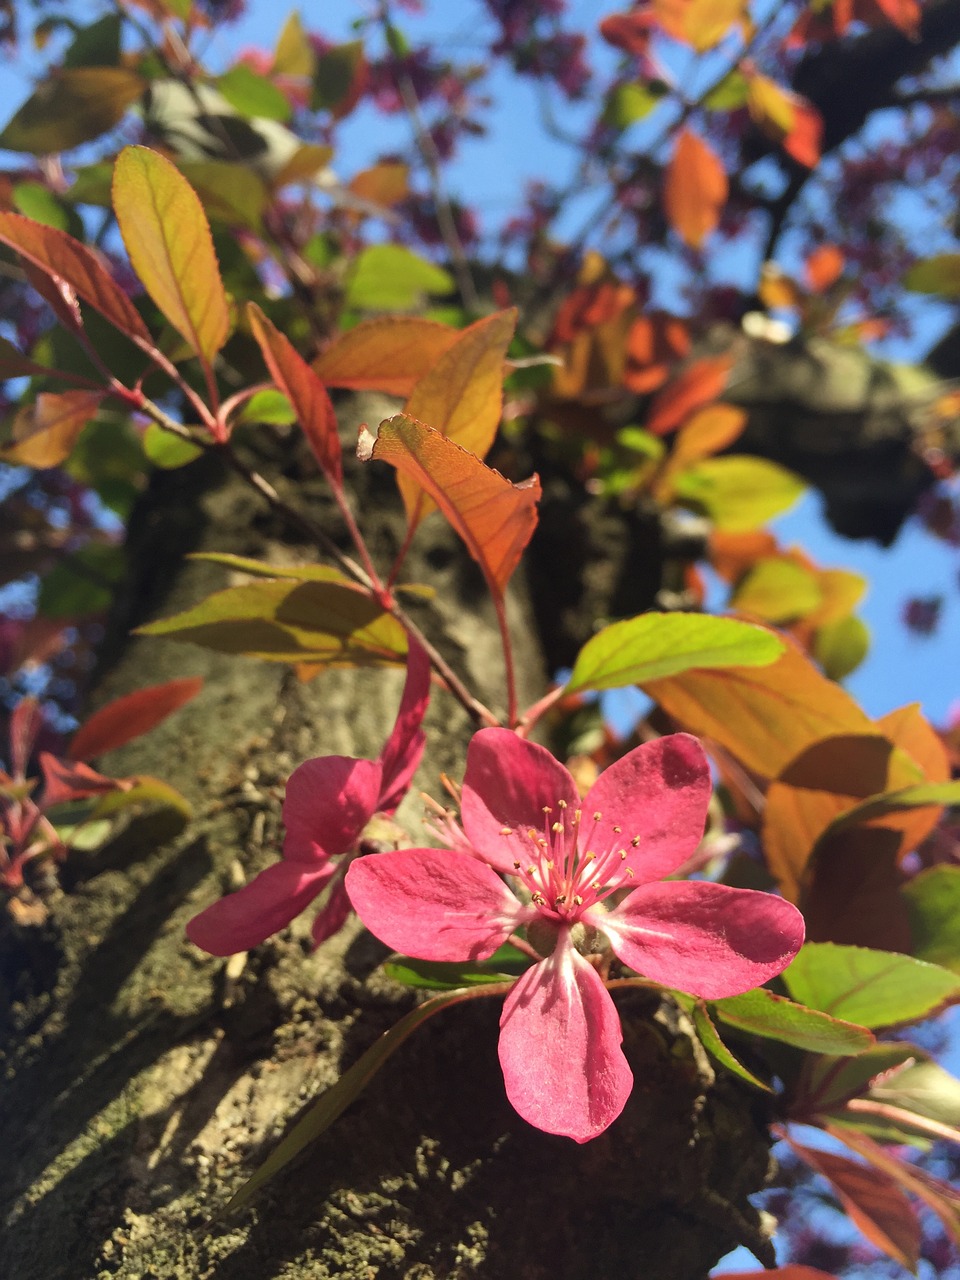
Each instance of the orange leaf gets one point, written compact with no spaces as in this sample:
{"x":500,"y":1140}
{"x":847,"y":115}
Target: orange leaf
{"x":762,"y":715}
{"x":823,"y":267}
{"x":873,"y":1201}
{"x":58,"y":254}
{"x":913,"y":733}
{"x":654,"y":344}
{"x":385,"y":184}
{"x":695,"y":189}
{"x":732,"y":554}
{"x":462,"y":397}
{"x":854,"y":892}
{"x":168,"y":239}
{"x":786,"y":118}
{"x":390,"y":353}
{"x":124,"y":719}
{"x":297,"y":380}
{"x":45,"y":432}
{"x":904,"y":14}
{"x":495,"y":518}
{"x":696,"y":386}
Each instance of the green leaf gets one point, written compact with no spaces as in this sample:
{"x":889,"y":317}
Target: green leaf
{"x":711,"y":1041}
{"x":939,"y":275}
{"x":387,"y":277}
{"x":261,"y":569}
{"x":97,"y":45}
{"x":145,"y":790}
{"x":654,"y":645}
{"x":504,"y":965}
{"x":730,"y":93}
{"x":924,"y":1089}
{"x":167,"y":451}
{"x":841,"y":646}
{"x":335,"y":77}
{"x":828,"y":1082}
{"x":778,"y":591}
{"x":168,"y":239}
{"x":328,"y":622}
{"x":631,"y":102}
{"x":331,"y":1104}
{"x":294,"y":55}
{"x":230,"y":193}
{"x":83,"y":583}
{"x":738,"y":492}
{"x":643,"y":442}
{"x":252,"y":95}
{"x":763,"y":1013}
{"x":74,"y":106}
{"x":933,"y":904}
{"x":270,"y":407}
{"x":39,"y":203}
{"x":872,"y":988}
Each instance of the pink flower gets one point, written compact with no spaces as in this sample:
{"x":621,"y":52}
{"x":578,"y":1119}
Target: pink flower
{"x":560,"y":1037}
{"x":328,"y":802}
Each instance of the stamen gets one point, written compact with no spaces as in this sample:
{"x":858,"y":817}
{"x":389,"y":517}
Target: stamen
{"x":561,"y":804}
{"x":560,"y":899}
{"x":635,"y":842}
{"x":506,"y":831}
{"x":517,"y":866}
{"x":557,"y":828}
{"x":597,"y":816}
{"x":546,"y":809}
{"x":577,"y":900}
{"x":617,"y":830}
{"x":623,"y":855}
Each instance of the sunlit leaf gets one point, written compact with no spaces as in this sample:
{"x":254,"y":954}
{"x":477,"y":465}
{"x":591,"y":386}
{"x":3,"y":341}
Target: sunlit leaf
{"x":338,"y":78}
{"x":145,"y":790}
{"x":58,"y":254}
{"x":230,"y":193}
{"x":655,"y":645}
{"x":698,"y":384}
{"x":711,"y":1040}
{"x":260,"y":569}
{"x":45,"y":432}
{"x":504,"y":966}
{"x":327,"y":622}
{"x":388,"y":277}
{"x":124,"y":719}
{"x":297,"y":380}
{"x":166,"y":450}
{"x":933,"y":904}
{"x":630,"y":102}
{"x":168,"y":239}
{"x":252,"y":95}
{"x":824,"y":267}
{"x":75,"y":105}
{"x":739,"y":492}
{"x":294,"y":54}
{"x":778,"y":590}
{"x":389,"y":353}
{"x":495,"y":518}
{"x":786,"y":118}
{"x":462,"y":397}
{"x":763,"y":1013}
{"x":383,"y":184}
{"x":695,"y":189}
{"x":872,"y":988}
{"x":939,"y":275}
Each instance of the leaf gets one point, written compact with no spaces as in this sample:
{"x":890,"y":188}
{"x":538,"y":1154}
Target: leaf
{"x":269,"y":406}
{"x":933,"y":904}
{"x":294,"y":55}
{"x":83,"y":583}
{"x":124,"y":719}
{"x":384,"y":184}
{"x":338,"y":78}
{"x":921,"y":796}
{"x":739,"y":493}
{"x":462,"y":397}
{"x":166,"y":450}
{"x":145,"y":790}
{"x":168,"y":239}
{"x":792,"y":1271}
{"x":330,"y":623}
{"x":435,"y":975}
{"x":841,"y":646}
{"x":495,"y":518}
{"x":96,"y":45}
{"x":872,"y":988}
{"x":298,"y":382}
{"x":655,"y":645}
{"x":38,"y":202}
{"x":707,"y":431}
{"x":763,"y":716}
{"x":14,"y":365}
{"x":628,"y":103}
{"x":58,"y":254}
{"x":695,"y":189}
{"x":826,"y":1083}
{"x":334,"y":1101}
{"x":389,"y":353}
{"x":46,"y":431}
{"x":823,"y":267}
{"x":75,"y":105}
{"x":778,"y":590}
{"x":786,"y":118}
{"x":924,"y":1089}
{"x":260,"y":569}
{"x":251,"y":95}
{"x":388,"y":277}
{"x":873,"y":1201}
{"x":710,"y":1039}
{"x":762,"y":1013}
{"x":698,"y":384}
{"x":230,"y":193}
{"x":939,"y":275}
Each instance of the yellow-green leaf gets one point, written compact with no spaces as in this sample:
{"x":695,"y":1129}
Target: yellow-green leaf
{"x":73,"y":106}
{"x":739,"y":492}
{"x":778,"y":590}
{"x":168,"y":239}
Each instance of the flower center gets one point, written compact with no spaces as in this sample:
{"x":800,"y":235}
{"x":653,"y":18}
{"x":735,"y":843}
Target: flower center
{"x":567,"y":870}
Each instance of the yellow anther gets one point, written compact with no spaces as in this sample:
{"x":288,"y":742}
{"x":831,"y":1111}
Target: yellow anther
{"x":623,"y":854}
{"x":597,"y":816}
{"x":557,"y":828}
{"x":516,"y":866}
{"x":589,"y":856}
{"x":617,"y":830}
{"x":577,"y":900}
{"x":561,"y":804}
{"x":635,"y":842}
{"x":546,"y":809}
{"x":550,"y":865}
{"x":531,"y":869}
{"x":506,"y":831}
{"x":539,"y":900}
{"x":630,"y":872}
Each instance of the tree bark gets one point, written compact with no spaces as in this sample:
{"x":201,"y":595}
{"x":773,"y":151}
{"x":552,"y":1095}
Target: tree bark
{"x":145,"y":1080}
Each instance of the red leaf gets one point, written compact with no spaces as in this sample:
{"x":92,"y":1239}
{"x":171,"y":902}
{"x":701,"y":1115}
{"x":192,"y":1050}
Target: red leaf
{"x":494,"y":517}
{"x":695,"y":189}
{"x":66,"y":780}
{"x":297,"y":380}
{"x":872,"y":1199}
{"x":124,"y":719}
{"x":58,"y":254}
{"x":699,"y":383}
{"x":793,"y":1271}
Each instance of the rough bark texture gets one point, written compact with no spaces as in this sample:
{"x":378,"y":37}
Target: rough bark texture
{"x":145,"y":1080}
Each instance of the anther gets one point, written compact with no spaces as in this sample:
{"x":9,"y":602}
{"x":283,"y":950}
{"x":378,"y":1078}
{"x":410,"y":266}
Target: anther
{"x":560,"y":899}
{"x":577,"y":900}
{"x":617,"y":830}
{"x":506,"y":831}
{"x":635,"y":842}
{"x":557,"y":828}
{"x":629,"y":873}
{"x":546,"y":809}
{"x":516,"y":866}
{"x":623,"y":854}
{"x":561,"y":804}
{"x":597,"y":816}
{"x":539,"y":900}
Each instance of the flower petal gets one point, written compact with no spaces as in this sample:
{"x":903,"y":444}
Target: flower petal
{"x":708,"y":939}
{"x":402,"y":750}
{"x":434,"y":904}
{"x":329,"y":801}
{"x":560,"y":1050}
{"x":508,"y":783}
{"x":243,"y":919}
{"x":658,"y":793}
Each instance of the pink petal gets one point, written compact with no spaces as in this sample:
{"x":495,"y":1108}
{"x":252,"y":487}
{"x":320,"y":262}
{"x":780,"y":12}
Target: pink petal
{"x":658,"y":792}
{"x":332,"y":916}
{"x":708,"y":939}
{"x":434,"y":904}
{"x":508,"y":783}
{"x":403,"y":749}
{"x":560,"y":1049}
{"x":243,"y":919}
{"x":329,"y":801}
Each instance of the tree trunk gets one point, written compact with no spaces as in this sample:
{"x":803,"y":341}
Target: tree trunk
{"x":145,"y":1080}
